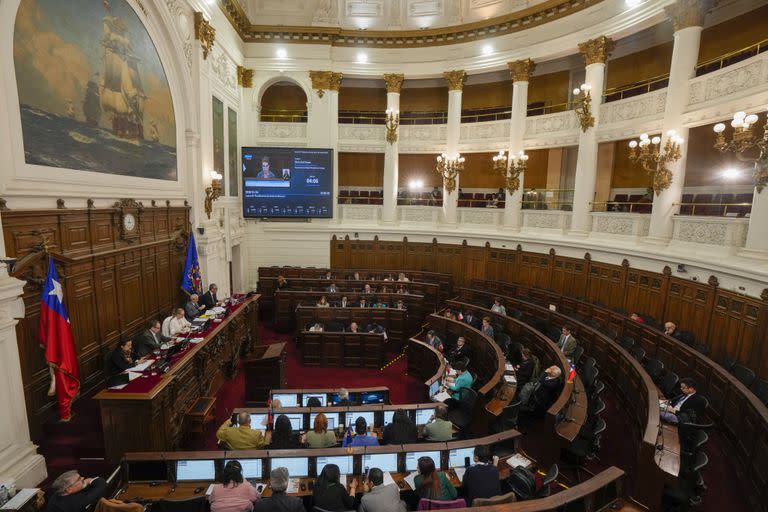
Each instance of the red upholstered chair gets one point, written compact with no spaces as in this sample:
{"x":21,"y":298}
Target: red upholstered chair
{"x":425,"y":504}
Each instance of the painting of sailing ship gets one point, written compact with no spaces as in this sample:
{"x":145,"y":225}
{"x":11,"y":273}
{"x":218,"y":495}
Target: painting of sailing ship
{"x":93,"y":93}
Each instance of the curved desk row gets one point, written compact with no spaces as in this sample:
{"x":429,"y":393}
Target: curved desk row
{"x":739,"y":414}
{"x":634,"y":387}
{"x":394,"y":321}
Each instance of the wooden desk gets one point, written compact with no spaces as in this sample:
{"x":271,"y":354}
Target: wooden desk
{"x":394,"y":321}
{"x":342,"y":349}
{"x":143,"y":418}
{"x":264,"y":370}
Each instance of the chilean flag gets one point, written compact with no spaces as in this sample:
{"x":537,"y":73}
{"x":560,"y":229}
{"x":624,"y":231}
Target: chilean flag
{"x":56,"y":340}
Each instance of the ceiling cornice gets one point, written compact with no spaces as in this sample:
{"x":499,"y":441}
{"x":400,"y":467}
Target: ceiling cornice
{"x":494,"y":27}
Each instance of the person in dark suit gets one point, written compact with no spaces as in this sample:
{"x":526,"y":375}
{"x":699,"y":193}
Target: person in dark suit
{"x":73,"y":493}
{"x":332,"y":289}
{"x":121,"y":358}
{"x":460,"y":351}
{"x":471,"y":319}
{"x":536,"y":397}
{"x":193,"y":308}
{"x":149,"y":340}
{"x":209,"y":299}
{"x":482,"y":479}
{"x":670,"y":329}
{"x":524,"y":372}
{"x":688,"y":406}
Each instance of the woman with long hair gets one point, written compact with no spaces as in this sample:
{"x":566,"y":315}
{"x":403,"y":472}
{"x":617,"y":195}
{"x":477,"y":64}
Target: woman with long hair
{"x":319,"y":436}
{"x":432,"y":484}
{"x":282,"y":435}
{"x":401,"y":431}
{"x":233,"y":494}
{"x":331,"y":494}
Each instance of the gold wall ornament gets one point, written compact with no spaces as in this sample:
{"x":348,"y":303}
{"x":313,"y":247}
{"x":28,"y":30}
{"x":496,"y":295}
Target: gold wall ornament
{"x":455,"y":79}
{"x":394,"y":82}
{"x":325,"y":80}
{"x":597,"y":51}
{"x":582,"y":105}
{"x":204,"y":33}
{"x":688,"y":13}
{"x":244,"y":77}
{"x":391,"y":123}
{"x":521,"y":70}
{"x":648,"y":153}
{"x":744,"y":141}
{"x":449,"y":169}
{"x":213,"y":192}
{"x":334,"y":81}
{"x":510,"y":171}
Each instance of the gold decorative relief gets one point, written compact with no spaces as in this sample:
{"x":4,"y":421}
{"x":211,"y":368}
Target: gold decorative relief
{"x":597,"y":51}
{"x":394,"y":82}
{"x":455,"y":79}
{"x":204,"y":33}
{"x":244,"y":77}
{"x":521,"y":70}
{"x":325,"y":81}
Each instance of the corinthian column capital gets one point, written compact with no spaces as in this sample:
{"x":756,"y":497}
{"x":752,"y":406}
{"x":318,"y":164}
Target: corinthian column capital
{"x":455,"y":79}
{"x":521,"y":70}
{"x":394,"y":82}
{"x":596,"y":51}
{"x":688,"y":13}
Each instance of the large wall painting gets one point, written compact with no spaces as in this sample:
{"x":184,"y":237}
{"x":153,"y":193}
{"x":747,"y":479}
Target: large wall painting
{"x":92,"y":90}
{"x":234,"y":154}
{"x":218,"y":140}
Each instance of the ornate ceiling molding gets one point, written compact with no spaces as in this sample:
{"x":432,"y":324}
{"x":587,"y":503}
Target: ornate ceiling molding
{"x":325,"y":80}
{"x":244,"y":77}
{"x":514,"y":22}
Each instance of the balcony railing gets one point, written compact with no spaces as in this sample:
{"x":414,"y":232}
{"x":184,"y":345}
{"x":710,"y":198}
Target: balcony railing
{"x":715,"y":209}
{"x":283,"y":116}
{"x":622,"y":206}
{"x":475,"y":115}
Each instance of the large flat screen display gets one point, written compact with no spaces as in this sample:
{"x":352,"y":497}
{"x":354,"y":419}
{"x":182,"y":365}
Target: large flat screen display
{"x":288,"y":182}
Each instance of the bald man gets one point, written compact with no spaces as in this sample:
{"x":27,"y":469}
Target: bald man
{"x":241,"y":436}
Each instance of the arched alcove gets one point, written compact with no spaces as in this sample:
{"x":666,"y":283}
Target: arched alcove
{"x":284,"y":101}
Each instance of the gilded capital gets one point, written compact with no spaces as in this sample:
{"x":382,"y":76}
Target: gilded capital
{"x":688,"y":13}
{"x":521,"y":70}
{"x":204,"y":33}
{"x":334,"y":81}
{"x":325,"y":81}
{"x":455,"y":79}
{"x":394,"y":82}
{"x":244,"y":77}
{"x":596,"y":51}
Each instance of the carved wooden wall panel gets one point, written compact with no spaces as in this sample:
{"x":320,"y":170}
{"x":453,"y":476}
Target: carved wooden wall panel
{"x":690,"y":305}
{"x":112,"y":286}
{"x":645,"y":292}
{"x":732,"y":328}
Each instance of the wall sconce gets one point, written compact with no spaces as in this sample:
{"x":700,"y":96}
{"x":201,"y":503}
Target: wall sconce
{"x":582,"y":105}
{"x":510,"y":173}
{"x":392,"y":122}
{"x":744,"y":139}
{"x":449,"y":169}
{"x":648,"y":153}
{"x":213,"y":192}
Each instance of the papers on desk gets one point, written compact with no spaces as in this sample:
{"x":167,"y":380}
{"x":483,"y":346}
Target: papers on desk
{"x":196,"y":340}
{"x":508,"y":367}
{"x":20,"y":499}
{"x":119,"y":386}
{"x":460,"y":473}
{"x":388,"y":478}
{"x":441,"y":396}
{"x":133,"y":375}
{"x":141,"y":366}
{"x":293,"y":485}
{"x":216,"y":311}
{"x":410,"y":479}
{"x":518,"y":460}
{"x":452,"y":372}
{"x":209,"y":490}
{"x":511,"y":379}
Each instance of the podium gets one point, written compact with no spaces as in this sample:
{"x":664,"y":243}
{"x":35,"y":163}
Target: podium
{"x":264,"y":371}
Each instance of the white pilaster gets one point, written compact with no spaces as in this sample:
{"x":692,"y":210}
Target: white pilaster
{"x":685,"y":54}
{"x":758,"y":219}
{"x":333,"y":143}
{"x":391,"y":158}
{"x":521,"y":71}
{"x":586,"y":163}
{"x":451,"y":199}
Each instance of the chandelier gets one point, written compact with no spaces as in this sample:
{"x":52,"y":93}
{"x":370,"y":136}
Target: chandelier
{"x":449,"y":169}
{"x":743,"y":140}
{"x":654,"y":159}
{"x":510,"y":173}
{"x":582,"y":105}
{"x":392,"y":122}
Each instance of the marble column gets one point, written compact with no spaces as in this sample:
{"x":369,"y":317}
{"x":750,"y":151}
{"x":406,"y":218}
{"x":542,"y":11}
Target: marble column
{"x":455,"y":81}
{"x":688,"y":18}
{"x":595,"y":52}
{"x":521,"y":71}
{"x":757,"y":242}
{"x":391,"y":152}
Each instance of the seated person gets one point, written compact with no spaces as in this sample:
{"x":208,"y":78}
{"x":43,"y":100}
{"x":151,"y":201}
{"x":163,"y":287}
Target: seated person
{"x":481,"y":480}
{"x":384,"y":289}
{"x":360,"y":437}
{"x":537,"y":396}
{"x":471,"y":319}
{"x":367,"y":288}
{"x":353,"y":327}
{"x":149,"y":340}
{"x":344,"y":302}
{"x":278,"y":482}
{"x":567,"y":342}
{"x":122,"y":358}
{"x":356,"y":276}
{"x":319,"y":436}
{"x":333,"y":288}
{"x":431,"y":483}
{"x":498,"y":307}
{"x":524,"y":371}
{"x":688,"y":406}
{"x":434,"y":341}
{"x":449,"y":314}
{"x":283,"y":437}
{"x":670,"y":329}
{"x":314,"y":402}
{"x":178,"y":323}
{"x":233,"y":493}
{"x":330,"y":493}
{"x":463,"y":379}
{"x":402,"y":290}
{"x":460,"y":351}
{"x":344,"y":397}
{"x":241,"y":436}
{"x":636,"y":318}
{"x":401,"y":277}
{"x":439,"y":428}
{"x":193,"y":308}
{"x":281,"y":282}
{"x":400,"y":305}
{"x":73,"y":493}
{"x":379,"y":497}
{"x":328,"y":275}
{"x":323,"y":302}
{"x":209,"y":299}
{"x":389,"y":277}
{"x":486,"y":327}
{"x":316,"y":327}
{"x":364,"y":303}
{"x":402,"y":430}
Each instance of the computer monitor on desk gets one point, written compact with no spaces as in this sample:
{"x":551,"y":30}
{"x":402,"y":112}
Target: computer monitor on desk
{"x":147,"y":471}
{"x":383,"y":461}
{"x":296,"y":466}
{"x":423,"y":415}
{"x":412,"y":459}
{"x":353,"y":415}
{"x":287,"y":399}
{"x":461,"y":457}
{"x":320,"y":396}
{"x":343,"y":461}
{"x":251,"y":468}
{"x":297,"y":421}
{"x":259,"y":421}
{"x":434,"y":388}
{"x":332,"y":417}
{"x":372,"y":397}
{"x":195,"y":470}
{"x":388,"y":417}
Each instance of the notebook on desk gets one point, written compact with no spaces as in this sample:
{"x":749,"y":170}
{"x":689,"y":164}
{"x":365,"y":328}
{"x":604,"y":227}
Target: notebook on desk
{"x":441,"y":396}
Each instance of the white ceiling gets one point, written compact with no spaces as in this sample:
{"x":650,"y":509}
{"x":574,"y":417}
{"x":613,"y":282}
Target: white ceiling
{"x":379,"y":14}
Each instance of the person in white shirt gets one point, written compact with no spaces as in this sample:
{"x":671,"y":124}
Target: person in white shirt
{"x":498,"y":307}
{"x":178,"y":323}
{"x":402,"y":278}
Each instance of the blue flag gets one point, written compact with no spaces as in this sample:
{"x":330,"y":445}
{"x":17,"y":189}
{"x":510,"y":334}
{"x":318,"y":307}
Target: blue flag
{"x":192,"y":281}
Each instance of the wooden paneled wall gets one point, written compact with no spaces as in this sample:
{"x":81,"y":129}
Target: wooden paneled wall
{"x":423,"y":99}
{"x":363,"y":98}
{"x":361,"y":170}
{"x":417,"y":167}
{"x":552,"y":88}
{"x":495,"y":94}
{"x":112,"y":287}
{"x":639,"y":66}
{"x":284,"y":96}
{"x":733,"y":34}
{"x":732,"y":325}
